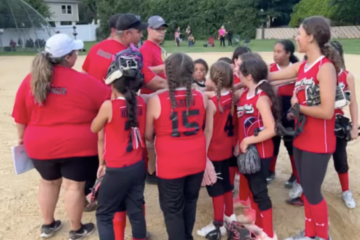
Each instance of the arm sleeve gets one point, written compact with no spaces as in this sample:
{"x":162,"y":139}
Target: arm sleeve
{"x":86,"y":64}
{"x":99,"y":92}
{"x":20,"y":111}
{"x":147,"y":61}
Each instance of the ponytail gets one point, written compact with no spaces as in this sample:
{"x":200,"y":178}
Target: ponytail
{"x":218,"y":91}
{"x":293,"y":58}
{"x":41,"y":77}
{"x":276,"y":105}
{"x":330,"y":52}
{"x":131,"y":106}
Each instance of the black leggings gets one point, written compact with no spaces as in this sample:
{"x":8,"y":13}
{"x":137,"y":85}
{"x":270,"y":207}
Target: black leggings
{"x":122,"y":187}
{"x":285,"y":106}
{"x":222,"y":41}
{"x":178,"y":199}
{"x":258,"y":185}
{"x":340,"y":156}
{"x":311,"y":168}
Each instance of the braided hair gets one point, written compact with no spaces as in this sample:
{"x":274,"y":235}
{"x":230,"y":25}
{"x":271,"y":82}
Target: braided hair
{"x":179,"y":71}
{"x":222,"y":75}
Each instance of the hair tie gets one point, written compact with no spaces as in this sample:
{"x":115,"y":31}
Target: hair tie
{"x":261,"y":82}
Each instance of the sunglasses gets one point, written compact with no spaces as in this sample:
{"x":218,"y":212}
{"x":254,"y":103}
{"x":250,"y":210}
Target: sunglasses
{"x":160,"y":29}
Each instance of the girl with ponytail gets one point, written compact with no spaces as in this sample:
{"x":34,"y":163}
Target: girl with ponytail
{"x":346,"y":81}
{"x":314,"y":146}
{"x":177,"y":115}
{"x":258,"y":111}
{"x":219,"y":134}
{"x":123,"y":120}
{"x":284,"y":57}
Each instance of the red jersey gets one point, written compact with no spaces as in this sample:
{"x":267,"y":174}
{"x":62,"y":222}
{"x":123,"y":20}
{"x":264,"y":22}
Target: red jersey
{"x":152,"y":56}
{"x":236,"y":79}
{"x":180,"y":143}
{"x":342,"y":82}
{"x":117,"y":137}
{"x":249,"y":119}
{"x":221,"y":144}
{"x":286,"y":89}
{"x":318,"y":135}
{"x":60,"y":128}
{"x":100,"y":57}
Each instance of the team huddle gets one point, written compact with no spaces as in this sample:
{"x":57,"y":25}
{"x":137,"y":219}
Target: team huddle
{"x":132,"y":105}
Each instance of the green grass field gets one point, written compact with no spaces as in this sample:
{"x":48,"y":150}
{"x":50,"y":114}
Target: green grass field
{"x":351,"y":46}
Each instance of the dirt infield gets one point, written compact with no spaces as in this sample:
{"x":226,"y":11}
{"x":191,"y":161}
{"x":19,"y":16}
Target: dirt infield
{"x":20,"y":215}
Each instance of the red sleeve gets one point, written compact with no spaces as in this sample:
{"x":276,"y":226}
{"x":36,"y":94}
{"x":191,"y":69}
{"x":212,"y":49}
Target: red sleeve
{"x":86,"y":64}
{"x":20,"y":111}
{"x":98,"y":91}
{"x":148,"y":74}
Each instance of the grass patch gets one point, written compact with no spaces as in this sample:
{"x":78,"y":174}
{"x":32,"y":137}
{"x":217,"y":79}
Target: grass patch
{"x":351,"y":46}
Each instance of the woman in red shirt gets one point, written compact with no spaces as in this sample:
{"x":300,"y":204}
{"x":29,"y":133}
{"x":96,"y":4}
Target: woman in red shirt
{"x":219,"y":133}
{"x":123,"y":121}
{"x":53,"y":110}
{"x":258,"y":110}
{"x":177,"y":116}
{"x":314,"y":146}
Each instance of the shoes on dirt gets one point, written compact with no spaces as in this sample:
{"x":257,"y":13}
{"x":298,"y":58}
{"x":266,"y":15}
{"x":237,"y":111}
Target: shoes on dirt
{"x":270,"y":177}
{"x":295,"y":202}
{"x":85,"y":230}
{"x":151,"y":178}
{"x":210,"y":231}
{"x":348,"y":199}
{"x":49,"y":230}
{"x":289,"y":183}
{"x":295,"y":191}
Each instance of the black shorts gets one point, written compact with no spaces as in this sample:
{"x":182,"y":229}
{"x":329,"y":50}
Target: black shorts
{"x":222,"y":185}
{"x":79,"y":169}
{"x":233,"y":161}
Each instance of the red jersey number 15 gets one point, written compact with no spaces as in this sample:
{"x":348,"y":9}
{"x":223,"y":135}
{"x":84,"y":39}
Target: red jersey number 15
{"x":192,"y":127}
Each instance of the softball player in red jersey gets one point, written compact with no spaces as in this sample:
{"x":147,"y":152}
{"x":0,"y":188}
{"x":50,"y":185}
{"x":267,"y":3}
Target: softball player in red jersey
{"x":347,"y":83}
{"x":219,"y":133}
{"x":242,"y":199}
{"x":284,"y":57}
{"x":176,"y":116}
{"x":258,"y":110}
{"x":315,"y":145}
{"x":53,"y":110}
{"x":123,"y":120}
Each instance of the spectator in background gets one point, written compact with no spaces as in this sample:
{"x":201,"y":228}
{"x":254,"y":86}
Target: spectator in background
{"x":222,"y":34}
{"x":177,"y":37}
{"x":229,"y":37}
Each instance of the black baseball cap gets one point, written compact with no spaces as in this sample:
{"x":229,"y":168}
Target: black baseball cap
{"x":113,"y":19}
{"x":127,"y":21}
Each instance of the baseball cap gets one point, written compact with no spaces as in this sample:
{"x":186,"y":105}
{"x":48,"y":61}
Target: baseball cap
{"x":156,"y":22}
{"x":127,"y":21}
{"x":59,"y":45}
{"x":113,"y":19}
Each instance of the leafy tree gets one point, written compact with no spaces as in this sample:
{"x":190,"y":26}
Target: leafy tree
{"x":40,"y":6}
{"x":307,"y":8}
{"x":347,"y":12}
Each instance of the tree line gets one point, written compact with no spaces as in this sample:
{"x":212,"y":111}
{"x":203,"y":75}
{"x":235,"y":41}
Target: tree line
{"x":205,"y":16}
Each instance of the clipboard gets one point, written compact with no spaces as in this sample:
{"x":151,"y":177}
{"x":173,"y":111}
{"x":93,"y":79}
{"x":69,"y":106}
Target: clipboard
{"x":22,"y":162}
